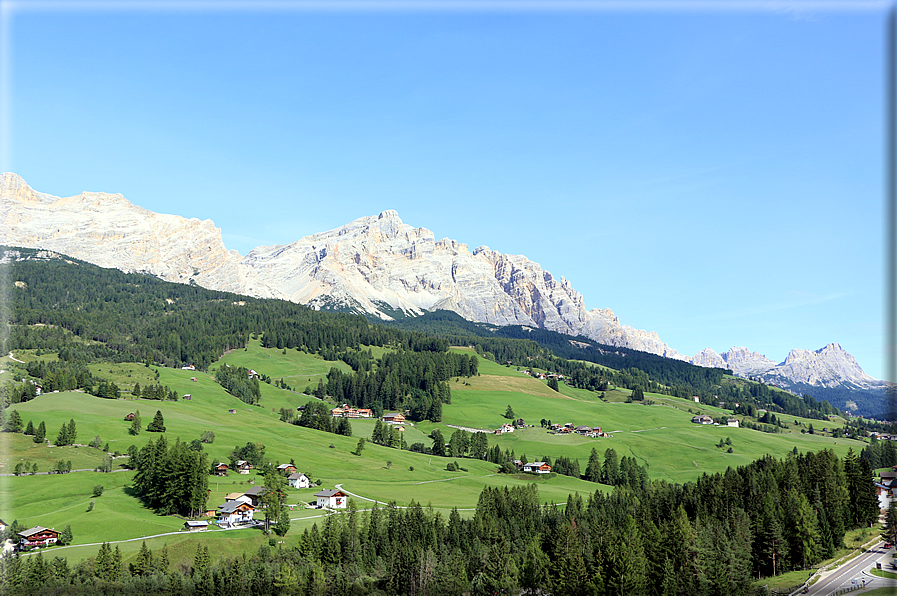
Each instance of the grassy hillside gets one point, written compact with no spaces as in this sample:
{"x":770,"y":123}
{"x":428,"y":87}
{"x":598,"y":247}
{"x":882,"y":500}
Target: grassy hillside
{"x":661,"y":437}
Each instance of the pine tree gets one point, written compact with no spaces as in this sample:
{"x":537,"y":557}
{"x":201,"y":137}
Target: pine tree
{"x":72,"y":433}
{"x":29,"y":429}
{"x":40,"y":435}
{"x":158,"y":423}
{"x":14,"y":422}
{"x":62,"y":438}
{"x":593,"y":470}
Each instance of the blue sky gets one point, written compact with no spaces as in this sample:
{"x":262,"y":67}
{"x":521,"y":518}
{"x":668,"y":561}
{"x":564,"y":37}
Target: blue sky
{"x":713,"y":175}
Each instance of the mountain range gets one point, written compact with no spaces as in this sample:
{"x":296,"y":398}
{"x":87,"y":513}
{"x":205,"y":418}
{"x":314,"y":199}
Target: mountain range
{"x":376,"y":265}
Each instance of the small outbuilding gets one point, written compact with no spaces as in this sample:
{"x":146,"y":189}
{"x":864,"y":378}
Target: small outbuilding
{"x":195,"y":526}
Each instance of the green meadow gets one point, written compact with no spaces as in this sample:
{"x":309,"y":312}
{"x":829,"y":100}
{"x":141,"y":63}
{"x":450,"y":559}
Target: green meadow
{"x":661,"y":437}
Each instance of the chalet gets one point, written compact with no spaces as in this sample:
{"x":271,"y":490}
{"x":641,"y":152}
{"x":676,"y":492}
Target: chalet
{"x":195,"y":526}
{"x":193,"y":379}
{"x":504,"y":428}
{"x":286,"y":469}
{"x":583,"y":430}
{"x":189,"y":367}
{"x":337,"y":412}
{"x":299,"y":480}
{"x":519,"y":464}
{"x":365,"y":413}
{"x":332,"y":499}
{"x":697,"y":399}
{"x":243,"y":467}
{"x":3,"y":525}
{"x":221,"y":469}
{"x":255,"y":494}
{"x":569,"y":425}
{"x":235,"y":512}
{"x":37,"y":537}
{"x":130,"y":416}
{"x":394,"y":418}
{"x":232,"y":411}
{"x":596,"y":430}
{"x":702,"y":419}
{"x":733,"y":422}
{"x":187,"y":396}
{"x":253,"y":374}
{"x":537,"y":467}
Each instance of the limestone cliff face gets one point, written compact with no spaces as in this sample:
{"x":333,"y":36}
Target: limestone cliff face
{"x":379,"y":264}
{"x":109,"y":231}
{"x":375,"y":264}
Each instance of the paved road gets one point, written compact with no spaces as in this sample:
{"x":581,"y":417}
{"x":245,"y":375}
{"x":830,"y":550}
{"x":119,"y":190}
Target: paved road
{"x":856,"y":569}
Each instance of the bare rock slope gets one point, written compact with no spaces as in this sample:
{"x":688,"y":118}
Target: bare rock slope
{"x":109,"y":231}
{"x":376,"y":264}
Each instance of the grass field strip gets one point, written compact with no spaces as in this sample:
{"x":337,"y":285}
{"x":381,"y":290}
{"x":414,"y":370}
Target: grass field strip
{"x":644,"y":430}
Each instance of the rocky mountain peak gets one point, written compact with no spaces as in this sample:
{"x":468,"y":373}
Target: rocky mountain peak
{"x":375,"y":264}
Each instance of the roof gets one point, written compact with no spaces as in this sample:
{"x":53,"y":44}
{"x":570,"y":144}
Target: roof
{"x":329,"y":493}
{"x":296,"y":476}
{"x":232,"y":496}
{"x":536,"y":463}
{"x":285,"y":466}
{"x":196,"y":524}
{"x":255,"y":491}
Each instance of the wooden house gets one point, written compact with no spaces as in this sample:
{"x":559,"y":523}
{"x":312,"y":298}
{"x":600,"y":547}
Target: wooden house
{"x":221,"y":469}
{"x":130,"y":416}
{"x":537,"y":467}
{"x":244,"y":467}
{"x":286,"y":469}
{"x":394,"y":418}
{"x":37,"y":537}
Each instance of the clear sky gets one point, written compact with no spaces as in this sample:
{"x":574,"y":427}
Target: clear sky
{"x":714,"y":174}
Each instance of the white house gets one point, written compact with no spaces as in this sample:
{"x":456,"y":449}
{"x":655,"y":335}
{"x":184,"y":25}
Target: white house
{"x":299,"y":480}
{"x":732,"y":422}
{"x":333,"y":499}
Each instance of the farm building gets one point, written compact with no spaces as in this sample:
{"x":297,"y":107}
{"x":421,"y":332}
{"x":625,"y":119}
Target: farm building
{"x":733,"y":422}
{"x":394,"y":418}
{"x":702,"y":419}
{"x":221,"y":469}
{"x":243,"y":467}
{"x":333,"y":499}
